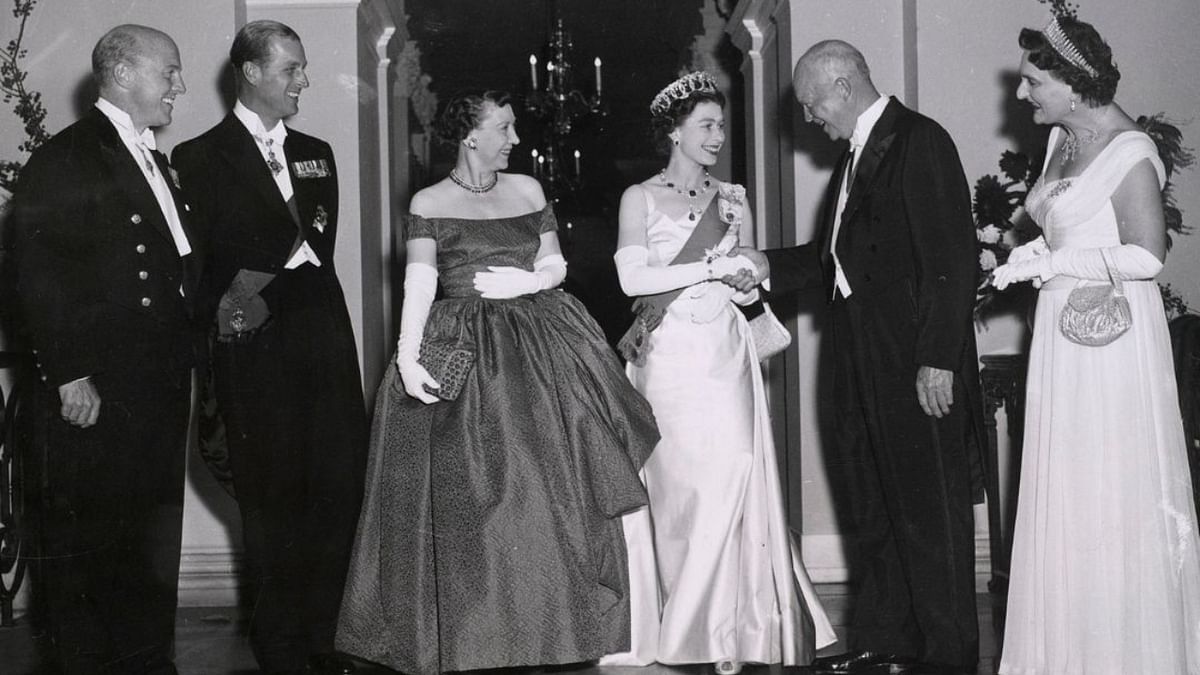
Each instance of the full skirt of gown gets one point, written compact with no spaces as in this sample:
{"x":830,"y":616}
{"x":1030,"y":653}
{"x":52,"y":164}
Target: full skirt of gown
{"x":715,"y":572}
{"x":490,"y":534}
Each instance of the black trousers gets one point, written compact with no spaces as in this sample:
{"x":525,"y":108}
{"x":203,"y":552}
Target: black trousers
{"x":911,"y":501}
{"x":112,"y":516}
{"x":296,"y":425}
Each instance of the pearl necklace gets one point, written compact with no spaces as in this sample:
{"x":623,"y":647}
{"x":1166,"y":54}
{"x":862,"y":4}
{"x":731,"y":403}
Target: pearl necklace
{"x":472,"y":188}
{"x":693,"y":209}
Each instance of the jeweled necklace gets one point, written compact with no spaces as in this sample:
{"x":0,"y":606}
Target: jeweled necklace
{"x":692,"y":194}
{"x":472,"y":188}
{"x":1075,"y":141}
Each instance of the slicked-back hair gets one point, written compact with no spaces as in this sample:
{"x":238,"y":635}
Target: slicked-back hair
{"x":464,"y":111}
{"x":252,"y":44}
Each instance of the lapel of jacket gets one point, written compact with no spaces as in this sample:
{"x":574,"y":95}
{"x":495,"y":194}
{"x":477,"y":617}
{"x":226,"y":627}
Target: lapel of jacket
{"x":124,"y":170}
{"x":240,"y":151}
{"x":191,"y":262}
{"x":873,"y":152}
{"x":831,"y":200}
{"x":297,"y":151}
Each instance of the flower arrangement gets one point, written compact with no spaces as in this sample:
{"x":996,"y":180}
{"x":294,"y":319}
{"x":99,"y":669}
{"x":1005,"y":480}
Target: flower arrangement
{"x":1001,"y":223}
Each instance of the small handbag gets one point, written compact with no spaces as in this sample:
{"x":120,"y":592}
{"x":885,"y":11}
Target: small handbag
{"x":447,"y":361}
{"x":1096,"y":315}
{"x":769,"y":334}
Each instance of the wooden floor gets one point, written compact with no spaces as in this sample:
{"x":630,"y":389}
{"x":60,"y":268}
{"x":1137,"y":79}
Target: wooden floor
{"x":211,"y":641}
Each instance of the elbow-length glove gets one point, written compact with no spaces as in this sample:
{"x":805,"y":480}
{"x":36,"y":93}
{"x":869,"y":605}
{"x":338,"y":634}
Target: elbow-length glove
{"x":420,"y":285}
{"x":637,"y":277}
{"x":1126,"y":262}
{"x":501,"y":283}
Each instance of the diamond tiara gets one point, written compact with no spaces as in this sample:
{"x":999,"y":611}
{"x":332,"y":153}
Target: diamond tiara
{"x":1062,"y":44}
{"x":682,"y":88}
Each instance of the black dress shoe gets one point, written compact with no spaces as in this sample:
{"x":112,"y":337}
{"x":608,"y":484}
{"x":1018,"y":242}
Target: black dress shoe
{"x":330,"y":664}
{"x":862,"y":662}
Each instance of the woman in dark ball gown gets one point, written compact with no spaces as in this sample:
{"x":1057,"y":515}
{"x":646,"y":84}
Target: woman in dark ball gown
{"x":490,"y":534}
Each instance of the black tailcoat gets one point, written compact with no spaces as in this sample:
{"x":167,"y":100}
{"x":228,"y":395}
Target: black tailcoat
{"x":907,"y":247}
{"x":290,"y":394}
{"x":105,"y":295}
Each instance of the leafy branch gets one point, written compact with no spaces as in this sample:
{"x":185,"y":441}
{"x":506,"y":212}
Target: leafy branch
{"x":26,"y":104}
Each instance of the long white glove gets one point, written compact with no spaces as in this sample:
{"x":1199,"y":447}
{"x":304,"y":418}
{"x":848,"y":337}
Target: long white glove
{"x":1127,"y":262}
{"x":501,"y":283}
{"x":420,"y":285}
{"x":639,"y":278}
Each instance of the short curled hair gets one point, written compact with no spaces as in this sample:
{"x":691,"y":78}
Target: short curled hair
{"x":1094,"y":91}
{"x":663,"y":124}
{"x":252,"y":44}
{"x":463,"y":112}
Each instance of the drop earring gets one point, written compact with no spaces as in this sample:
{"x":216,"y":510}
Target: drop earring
{"x":1072,"y":105}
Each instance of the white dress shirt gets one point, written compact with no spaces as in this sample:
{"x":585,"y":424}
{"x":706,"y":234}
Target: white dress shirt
{"x":268,"y":143}
{"x":140,"y":147}
{"x":862,"y":132}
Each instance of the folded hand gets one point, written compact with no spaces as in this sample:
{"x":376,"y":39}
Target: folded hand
{"x":1022,"y":270}
{"x":501,"y":283}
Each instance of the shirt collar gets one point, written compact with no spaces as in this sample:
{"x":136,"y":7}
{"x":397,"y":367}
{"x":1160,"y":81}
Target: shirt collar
{"x":866,"y":122}
{"x":254,"y":125}
{"x":124,"y":124}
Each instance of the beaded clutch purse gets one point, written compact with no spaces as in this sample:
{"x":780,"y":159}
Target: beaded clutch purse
{"x":1096,"y":315}
{"x":769,"y":334}
{"x":449,"y":362}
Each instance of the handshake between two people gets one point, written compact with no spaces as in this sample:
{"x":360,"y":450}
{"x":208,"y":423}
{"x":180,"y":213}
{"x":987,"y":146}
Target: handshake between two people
{"x":751,"y":269}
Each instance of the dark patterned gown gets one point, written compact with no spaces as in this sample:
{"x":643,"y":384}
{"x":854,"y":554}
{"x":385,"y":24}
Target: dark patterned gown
{"x":490,"y":534}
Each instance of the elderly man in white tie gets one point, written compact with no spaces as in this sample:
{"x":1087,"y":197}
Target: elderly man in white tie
{"x":106,"y":274}
{"x":896,"y":259}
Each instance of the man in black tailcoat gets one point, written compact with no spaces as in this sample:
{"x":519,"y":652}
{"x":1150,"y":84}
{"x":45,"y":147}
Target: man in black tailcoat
{"x":897,"y":256}
{"x":285,"y":363}
{"x":107,"y":265}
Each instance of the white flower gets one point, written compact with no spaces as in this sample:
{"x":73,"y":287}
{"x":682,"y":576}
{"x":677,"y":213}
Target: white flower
{"x":989,"y":235}
{"x":987,"y":260}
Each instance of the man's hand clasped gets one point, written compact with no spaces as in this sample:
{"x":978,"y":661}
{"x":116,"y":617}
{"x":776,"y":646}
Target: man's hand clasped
{"x":746,"y":278}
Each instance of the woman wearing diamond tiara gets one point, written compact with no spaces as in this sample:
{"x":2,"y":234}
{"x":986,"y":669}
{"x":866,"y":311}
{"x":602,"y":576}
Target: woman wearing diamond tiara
{"x":1105,"y":574}
{"x":490,"y":534}
{"x":717,"y":578}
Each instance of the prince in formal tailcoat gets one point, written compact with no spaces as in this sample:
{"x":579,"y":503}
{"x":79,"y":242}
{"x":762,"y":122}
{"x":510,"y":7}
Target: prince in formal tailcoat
{"x":107,"y":264}
{"x":284,"y":359}
{"x":896,"y":256}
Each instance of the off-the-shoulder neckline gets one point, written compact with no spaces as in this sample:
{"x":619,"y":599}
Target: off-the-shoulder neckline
{"x":481,"y":220}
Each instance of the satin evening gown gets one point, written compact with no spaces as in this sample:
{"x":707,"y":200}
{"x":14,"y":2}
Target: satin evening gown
{"x":714,"y":571}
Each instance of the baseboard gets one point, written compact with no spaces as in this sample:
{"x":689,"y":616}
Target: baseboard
{"x":825,"y":559}
{"x":209,"y":577}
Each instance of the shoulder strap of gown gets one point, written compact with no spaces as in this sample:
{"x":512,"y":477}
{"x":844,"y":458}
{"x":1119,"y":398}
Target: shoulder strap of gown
{"x":1122,"y":154}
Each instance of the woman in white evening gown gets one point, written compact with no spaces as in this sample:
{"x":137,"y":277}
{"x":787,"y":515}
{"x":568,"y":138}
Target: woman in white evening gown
{"x":1105,"y":576}
{"x":715,"y":576}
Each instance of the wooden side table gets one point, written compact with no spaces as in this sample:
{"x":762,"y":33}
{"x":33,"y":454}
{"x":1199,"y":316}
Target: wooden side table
{"x":1003,"y":380}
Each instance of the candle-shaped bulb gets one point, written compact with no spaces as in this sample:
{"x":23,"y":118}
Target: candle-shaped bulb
{"x":577,"y":163}
{"x":597,"y":64}
{"x":533,"y":71}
